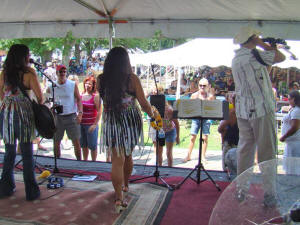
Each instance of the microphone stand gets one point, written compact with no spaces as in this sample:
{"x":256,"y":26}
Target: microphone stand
{"x":53,"y":85}
{"x":156,"y":173}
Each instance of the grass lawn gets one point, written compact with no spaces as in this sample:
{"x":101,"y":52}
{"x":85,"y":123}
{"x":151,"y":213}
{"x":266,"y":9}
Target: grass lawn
{"x":214,"y":139}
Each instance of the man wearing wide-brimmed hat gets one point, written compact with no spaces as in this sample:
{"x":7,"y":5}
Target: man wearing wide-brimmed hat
{"x":255,"y":102}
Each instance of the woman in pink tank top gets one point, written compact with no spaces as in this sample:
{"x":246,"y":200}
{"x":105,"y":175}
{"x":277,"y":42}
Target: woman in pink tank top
{"x":90,"y":118}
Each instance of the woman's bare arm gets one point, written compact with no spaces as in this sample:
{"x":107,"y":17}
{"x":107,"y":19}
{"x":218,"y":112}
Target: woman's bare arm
{"x":34,"y":85}
{"x":295,"y":126}
{"x":139,"y":92}
{"x":2,"y":85}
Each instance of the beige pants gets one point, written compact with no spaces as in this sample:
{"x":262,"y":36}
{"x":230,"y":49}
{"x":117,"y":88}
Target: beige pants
{"x":257,"y":134}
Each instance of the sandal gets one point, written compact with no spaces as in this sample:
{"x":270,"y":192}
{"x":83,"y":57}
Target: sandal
{"x":120,"y":205}
{"x":125,"y":188}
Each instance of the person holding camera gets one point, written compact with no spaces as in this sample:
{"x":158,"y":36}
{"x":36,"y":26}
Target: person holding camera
{"x":67,"y":110}
{"x":255,"y":104}
{"x":17,"y":119}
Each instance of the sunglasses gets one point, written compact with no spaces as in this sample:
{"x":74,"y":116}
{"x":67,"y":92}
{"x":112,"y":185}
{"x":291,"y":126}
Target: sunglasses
{"x":62,"y":71}
{"x":201,"y":85}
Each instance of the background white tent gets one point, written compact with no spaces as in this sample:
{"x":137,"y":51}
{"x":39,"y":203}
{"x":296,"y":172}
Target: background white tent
{"x":141,"y":18}
{"x":197,"y":52}
{"x":201,"y":51}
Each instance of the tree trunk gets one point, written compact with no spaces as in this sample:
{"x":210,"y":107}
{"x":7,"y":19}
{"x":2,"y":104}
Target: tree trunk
{"x":47,"y":56}
{"x":67,"y":52}
{"x":89,"y":50}
{"x":77,"y":53}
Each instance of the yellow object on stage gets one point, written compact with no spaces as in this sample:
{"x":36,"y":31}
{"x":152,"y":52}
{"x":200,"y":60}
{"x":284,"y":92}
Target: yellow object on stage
{"x":157,"y":122}
{"x":44,"y":174}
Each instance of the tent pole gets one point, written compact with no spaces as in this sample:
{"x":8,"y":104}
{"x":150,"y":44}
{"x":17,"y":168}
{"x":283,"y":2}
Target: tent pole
{"x":288,"y":78}
{"x":148,"y":79}
{"x":166,"y":78}
{"x":111,"y":32}
{"x":160,"y":73}
{"x":178,"y":85}
{"x":174,"y":73}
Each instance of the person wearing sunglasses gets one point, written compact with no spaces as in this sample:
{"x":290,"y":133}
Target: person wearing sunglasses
{"x":66,"y":93}
{"x":203,"y":93}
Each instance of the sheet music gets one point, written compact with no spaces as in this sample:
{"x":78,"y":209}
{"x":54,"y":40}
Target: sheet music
{"x":212,"y":109}
{"x":189,"y":108}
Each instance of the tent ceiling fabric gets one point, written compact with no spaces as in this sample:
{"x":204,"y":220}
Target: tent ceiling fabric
{"x":176,"y":18}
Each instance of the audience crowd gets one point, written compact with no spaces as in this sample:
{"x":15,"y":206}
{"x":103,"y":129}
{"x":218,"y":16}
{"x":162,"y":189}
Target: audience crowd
{"x":221,"y":80}
{"x":220,"y":84}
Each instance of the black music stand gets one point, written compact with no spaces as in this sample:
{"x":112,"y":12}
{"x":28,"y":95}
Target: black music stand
{"x":199,"y":167}
{"x":156,"y":173}
{"x":157,"y":100}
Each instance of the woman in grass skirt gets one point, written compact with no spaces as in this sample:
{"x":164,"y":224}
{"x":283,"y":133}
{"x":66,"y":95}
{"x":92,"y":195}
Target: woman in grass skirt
{"x":122,"y":125}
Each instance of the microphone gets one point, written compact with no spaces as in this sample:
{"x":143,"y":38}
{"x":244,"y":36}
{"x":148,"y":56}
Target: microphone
{"x":35,"y":63}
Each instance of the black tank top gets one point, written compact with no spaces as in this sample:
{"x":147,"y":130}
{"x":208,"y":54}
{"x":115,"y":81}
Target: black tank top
{"x":232,"y":134}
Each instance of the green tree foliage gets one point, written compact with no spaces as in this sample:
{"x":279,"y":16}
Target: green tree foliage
{"x":37,"y":46}
{"x":91,"y":44}
{"x":158,"y":42}
{"x":44,"y":47}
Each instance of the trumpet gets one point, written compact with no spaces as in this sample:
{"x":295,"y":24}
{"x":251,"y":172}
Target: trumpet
{"x":287,"y":49}
{"x":273,"y":41}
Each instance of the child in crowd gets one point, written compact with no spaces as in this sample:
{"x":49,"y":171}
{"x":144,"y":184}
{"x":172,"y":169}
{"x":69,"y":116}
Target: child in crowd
{"x":171,"y":130}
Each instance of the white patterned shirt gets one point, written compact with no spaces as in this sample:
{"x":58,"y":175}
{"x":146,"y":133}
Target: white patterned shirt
{"x":254,"y":94}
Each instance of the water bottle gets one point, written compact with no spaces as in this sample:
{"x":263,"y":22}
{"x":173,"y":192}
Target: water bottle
{"x":161,"y":137}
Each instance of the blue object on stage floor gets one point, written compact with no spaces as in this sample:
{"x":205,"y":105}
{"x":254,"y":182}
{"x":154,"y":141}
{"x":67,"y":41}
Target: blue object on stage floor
{"x":55,"y":182}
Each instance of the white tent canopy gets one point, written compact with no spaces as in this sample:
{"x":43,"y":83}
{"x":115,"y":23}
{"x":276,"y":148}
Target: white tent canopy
{"x":141,"y":18}
{"x":201,"y":51}
{"x":197,"y":52}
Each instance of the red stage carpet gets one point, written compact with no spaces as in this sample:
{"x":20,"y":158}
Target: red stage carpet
{"x":83,"y":203}
{"x":193,"y":203}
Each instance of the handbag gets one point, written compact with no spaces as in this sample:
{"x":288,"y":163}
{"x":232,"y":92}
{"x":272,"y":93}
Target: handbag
{"x":43,"y":117}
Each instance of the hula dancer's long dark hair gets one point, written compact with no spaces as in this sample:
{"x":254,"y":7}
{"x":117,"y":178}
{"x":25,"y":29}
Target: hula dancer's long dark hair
{"x":113,"y":83}
{"x":15,"y":66}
